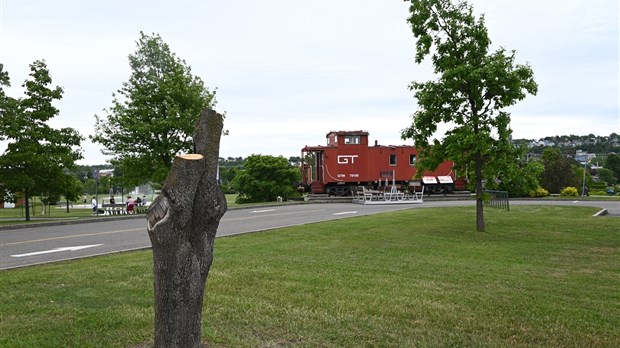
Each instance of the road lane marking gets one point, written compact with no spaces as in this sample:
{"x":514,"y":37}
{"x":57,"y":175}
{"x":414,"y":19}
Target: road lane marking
{"x":74,"y":236}
{"x":263,"y":211}
{"x":345,"y":212}
{"x":57,"y":250}
{"x":144,"y":228}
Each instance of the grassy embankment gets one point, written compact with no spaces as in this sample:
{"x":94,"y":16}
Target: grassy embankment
{"x":539,"y":276}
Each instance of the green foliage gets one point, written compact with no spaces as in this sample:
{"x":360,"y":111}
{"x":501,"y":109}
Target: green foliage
{"x":559,"y":171}
{"x":569,"y":191}
{"x":612,"y":162}
{"x":229,"y":168}
{"x":227,"y":175}
{"x":539,"y":192}
{"x":8,"y":105}
{"x":607,"y":176}
{"x":518,"y":177}
{"x":265,"y":178}
{"x":73,"y":188}
{"x":598,"y":192}
{"x":154,"y":114}
{"x":472,"y":88}
{"x":37,"y":154}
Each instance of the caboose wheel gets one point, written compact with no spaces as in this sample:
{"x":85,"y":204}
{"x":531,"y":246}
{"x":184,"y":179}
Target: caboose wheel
{"x":436,"y":189}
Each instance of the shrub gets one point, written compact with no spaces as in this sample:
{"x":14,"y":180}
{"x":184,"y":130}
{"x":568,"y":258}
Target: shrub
{"x":540,"y":192}
{"x":264,"y":178}
{"x":598,"y":193}
{"x":569,"y":191}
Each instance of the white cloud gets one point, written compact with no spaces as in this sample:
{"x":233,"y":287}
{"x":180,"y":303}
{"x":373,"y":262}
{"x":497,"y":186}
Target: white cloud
{"x":289,"y":72}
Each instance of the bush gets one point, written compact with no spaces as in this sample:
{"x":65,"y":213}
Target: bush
{"x":540,"y":192}
{"x":569,"y":191}
{"x":598,"y":193}
{"x":264,"y":179}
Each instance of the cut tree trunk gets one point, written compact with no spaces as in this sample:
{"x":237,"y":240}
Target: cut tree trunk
{"x":182,"y":223}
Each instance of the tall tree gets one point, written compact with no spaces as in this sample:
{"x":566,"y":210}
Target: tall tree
{"x":612,"y":162}
{"x":153,"y":115}
{"x":71,"y":188}
{"x":36,"y":154}
{"x":8,"y":105}
{"x":607,"y":176}
{"x":559,"y":171}
{"x":472,"y":88}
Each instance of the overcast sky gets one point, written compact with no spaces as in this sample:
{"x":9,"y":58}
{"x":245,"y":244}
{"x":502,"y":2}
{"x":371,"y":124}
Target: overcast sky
{"x":288,"y":72}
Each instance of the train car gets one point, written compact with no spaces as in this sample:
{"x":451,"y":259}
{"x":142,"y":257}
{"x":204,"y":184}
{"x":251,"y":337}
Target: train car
{"x":348,"y":161}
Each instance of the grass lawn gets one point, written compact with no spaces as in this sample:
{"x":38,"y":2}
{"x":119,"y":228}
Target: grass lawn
{"x":539,"y":276}
{"x":12,"y":216}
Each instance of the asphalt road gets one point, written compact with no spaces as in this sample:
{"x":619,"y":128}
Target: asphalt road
{"x":30,"y":246}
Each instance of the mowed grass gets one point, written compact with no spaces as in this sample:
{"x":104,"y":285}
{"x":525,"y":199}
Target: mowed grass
{"x":539,"y":276}
{"x":16,"y":216}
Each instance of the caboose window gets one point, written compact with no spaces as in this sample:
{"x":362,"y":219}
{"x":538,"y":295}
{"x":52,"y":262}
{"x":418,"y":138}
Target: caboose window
{"x":352,"y":139}
{"x":412,"y":159}
{"x":392,"y":160}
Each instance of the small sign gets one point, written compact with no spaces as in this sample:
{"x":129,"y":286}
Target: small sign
{"x":429,"y":180}
{"x":445,"y":179}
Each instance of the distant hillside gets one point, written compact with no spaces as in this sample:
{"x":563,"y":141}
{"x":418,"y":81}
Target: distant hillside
{"x":569,"y":144}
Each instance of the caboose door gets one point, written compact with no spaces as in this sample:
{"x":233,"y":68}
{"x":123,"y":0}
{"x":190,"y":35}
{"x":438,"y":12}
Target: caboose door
{"x":319,"y":167}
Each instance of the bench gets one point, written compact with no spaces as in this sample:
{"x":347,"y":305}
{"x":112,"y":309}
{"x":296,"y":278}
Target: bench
{"x":361,"y":193}
{"x":121,"y":209}
{"x":114,"y":209}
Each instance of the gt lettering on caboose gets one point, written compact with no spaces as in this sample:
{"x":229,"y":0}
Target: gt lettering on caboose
{"x":347,"y":159}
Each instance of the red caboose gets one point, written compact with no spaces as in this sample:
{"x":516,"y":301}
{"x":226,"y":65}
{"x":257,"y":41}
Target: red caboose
{"x":348,"y":161}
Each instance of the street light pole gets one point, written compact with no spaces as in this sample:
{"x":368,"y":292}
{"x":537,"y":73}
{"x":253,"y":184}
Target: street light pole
{"x":583,"y":189}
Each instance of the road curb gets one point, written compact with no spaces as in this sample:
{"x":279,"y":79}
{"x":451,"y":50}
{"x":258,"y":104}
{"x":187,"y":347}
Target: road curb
{"x":601,"y":213}
{"x":70,"y":222}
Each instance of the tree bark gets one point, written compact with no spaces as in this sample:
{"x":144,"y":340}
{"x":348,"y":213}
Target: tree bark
{"x":27,"y":197}
{"x":182,"y":223}
{"x":479,"y":201}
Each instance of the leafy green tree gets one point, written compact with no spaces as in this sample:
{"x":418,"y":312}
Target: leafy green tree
{"x":8,"y":104}
{"x":72,"y":189}
{"x":265,"y":178}
{"x":154,"y":114}
{"x":227,"y":175}
{"x":89,"y":186}
{"x":520,"y":177}
{"x":612,"y":162}
{"x":606,"y":176}
{"x":36,"y":154}
{"x":472,"y":88}
{"x":559,"y":171}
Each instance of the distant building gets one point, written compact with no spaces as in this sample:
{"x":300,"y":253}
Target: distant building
{"x":106,"y":172}
{"x":583,"y":156}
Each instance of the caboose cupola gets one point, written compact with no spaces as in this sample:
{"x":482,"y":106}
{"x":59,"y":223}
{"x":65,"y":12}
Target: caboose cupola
{"x":341,"y":138}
